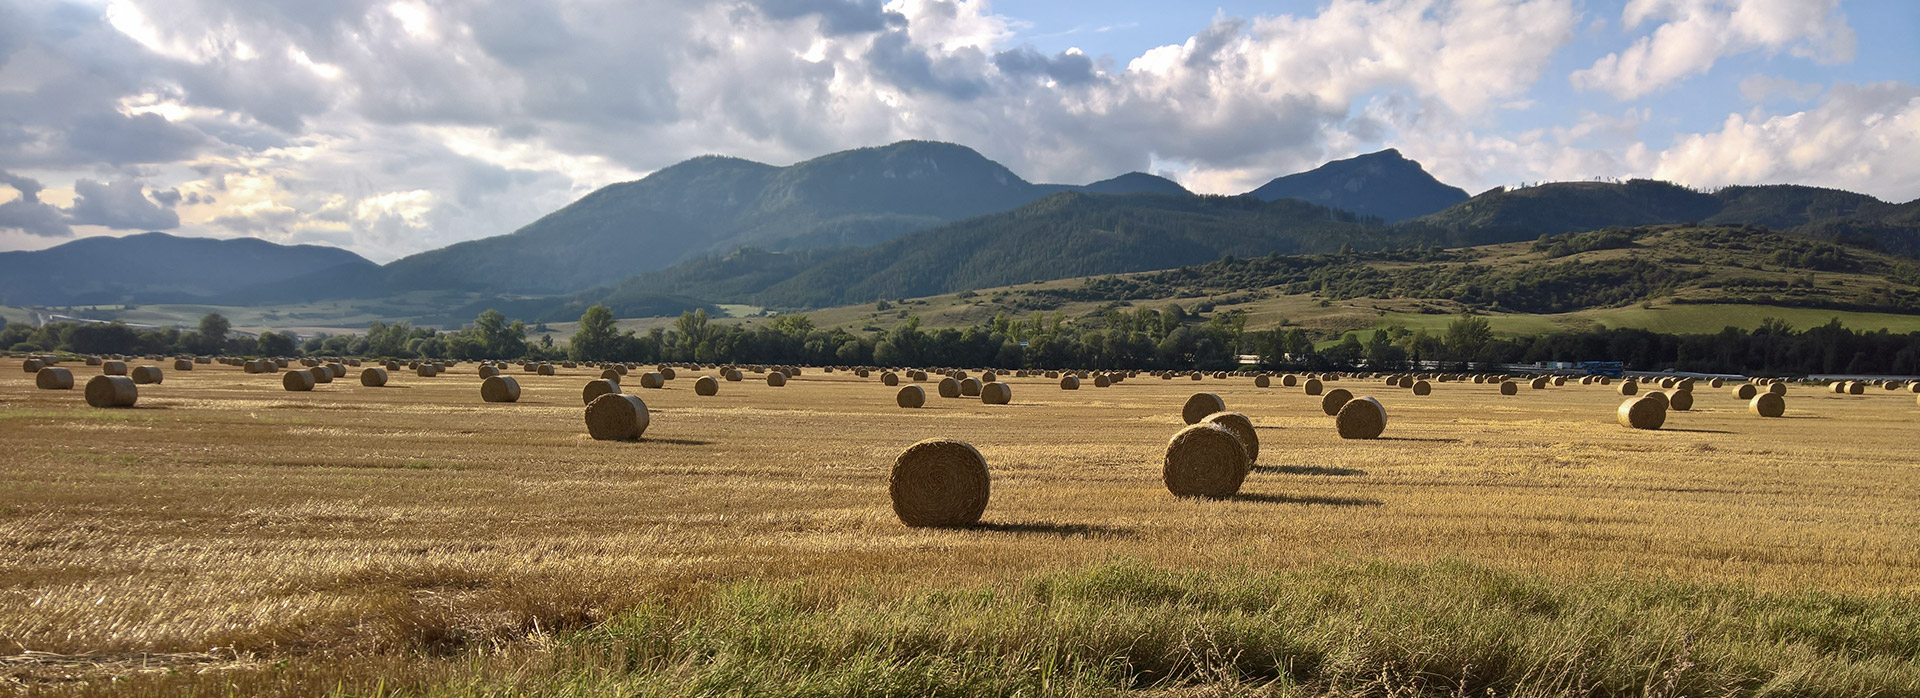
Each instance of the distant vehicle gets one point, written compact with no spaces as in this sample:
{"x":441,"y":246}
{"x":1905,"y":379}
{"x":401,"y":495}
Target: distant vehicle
{"x":1610,"y":369}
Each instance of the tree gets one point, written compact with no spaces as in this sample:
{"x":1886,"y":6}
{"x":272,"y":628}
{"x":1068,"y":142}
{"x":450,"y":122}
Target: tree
{"x":213,"y":329}
{"x":275,"y":344}
{"x":1467,"y":335}
{"x":597,"y":337}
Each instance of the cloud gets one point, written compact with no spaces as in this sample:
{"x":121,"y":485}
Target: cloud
{"x":1861,"y":138}
{"x":120,"y":205}
{"x":27,"y":213}
{"x":1694,"y":34}
{"x":1761,"y":89}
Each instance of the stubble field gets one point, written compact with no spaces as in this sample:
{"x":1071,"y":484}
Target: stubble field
{"x":228,"y":536}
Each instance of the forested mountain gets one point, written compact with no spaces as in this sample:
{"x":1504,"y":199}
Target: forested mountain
{"x":156,"y":267}
{"x":713,"y":205}
{"x":1504,"y":215}
{"x":1383,"y":185}
{"x":1064,"y":235}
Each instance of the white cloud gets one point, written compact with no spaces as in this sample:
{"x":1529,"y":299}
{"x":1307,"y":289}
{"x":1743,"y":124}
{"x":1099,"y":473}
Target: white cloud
{"x":1862,"y":139}
{"x":1694,"y":34}
{"x":1761,"y":89}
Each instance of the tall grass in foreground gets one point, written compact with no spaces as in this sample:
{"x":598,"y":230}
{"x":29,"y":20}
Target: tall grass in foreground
{"x":1388,"y":629}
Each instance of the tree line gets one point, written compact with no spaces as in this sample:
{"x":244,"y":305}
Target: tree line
{"x":1137,"y":338}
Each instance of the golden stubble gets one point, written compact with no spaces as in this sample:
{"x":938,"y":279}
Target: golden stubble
{"x":224,"y":512}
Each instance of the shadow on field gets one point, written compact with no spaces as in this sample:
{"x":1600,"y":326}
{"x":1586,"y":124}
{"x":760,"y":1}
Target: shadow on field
{"x":1058,"y":530}
{"x":1308,"y":470}
{"x":1437,"y":440}
{"x":1308,"y":499}
{"x":677,"y":442}
{"x":1700,"y":431}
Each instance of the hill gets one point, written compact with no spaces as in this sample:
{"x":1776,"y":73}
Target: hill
{"x":1383,"y":185}
{"x":1064,"y":235}
{"x":713,"y":205}
{"x":1504,"y":215}
{"x":157,"y":268}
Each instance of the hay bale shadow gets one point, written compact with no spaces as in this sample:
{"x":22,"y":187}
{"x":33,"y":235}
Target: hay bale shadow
{"x":1308,"y":499}
{"x":1056,"y":530}
{"x":1437,"y":440}
{"x":676,"y":442}
{"x":1309,"y":470}
{"x":1698,"y":431}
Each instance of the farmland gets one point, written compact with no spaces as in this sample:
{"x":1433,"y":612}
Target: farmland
{"x":225,"y":534}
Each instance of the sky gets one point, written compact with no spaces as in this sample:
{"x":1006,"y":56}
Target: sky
{"x":390,"y":128}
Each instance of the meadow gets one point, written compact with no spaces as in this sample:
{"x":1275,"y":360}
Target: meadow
{"x":228,"y":537}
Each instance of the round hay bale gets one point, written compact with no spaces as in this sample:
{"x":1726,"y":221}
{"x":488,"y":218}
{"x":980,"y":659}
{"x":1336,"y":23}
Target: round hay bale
{"x":970,"y":387}
{"x":182,"y":364}
{"x":1559,"y":380}
{"x":939,"y":482}
{"x":1680,"y":400}
{"x":426,"y":370}
{"x":146,"y":375}
{"x":889,"y":379}
{"x":1629,"y":387}
{"x":1913,"y":387}
{"x":666,"y":372}
{"x":733,"y":375}
{"x":1262,"y":382}
{"x":776,"y":379}
{"x":610,"y":375}
{"x":1746,"y":391}
{"x":53,"y":378}
{"x":1666,"y":383}
{"x":93,"y":361}
{"x":337,"y":369}
{"x":544,"y":370}
{"x":1656,"y":395}
{"x":1538,"y":383}
{"x":1289,"y":381}
{"x":652,"y":380}
{"x":111,"y":391}
{"x":910,"y":396}
{"x":1205,"y":460}
{"x":1241,"y":427}
{"x":1777,"y":389}
{"x":596,"y":388}
{"x":1199,"y":405}
{"x":113,"y":368}
{"x":1195,"y":375}
{"x":707,"y":386}
{"x":1361,"y":418}
{"x":1422,"y":388}
{"x":1717,"y":383}
{"x":1509,"y":388}
{"x":1335,"y":399}
{"x":373,"y":377}
{"x":1767,"y":405}
{"x":500,"y":389}
{"x":488,"y":371}
{"x":320,"y":374}
{"x":1101,"y":380}
{"x":1643,"y":412}
{"x":996,"y":393}
{"x":617,"y":417}
{"x":949,"y":387}
{"x":298,"y":381}
{"x":1313,"y":386}
{"x":1069,"y":382}
{"x":1853,"y":388}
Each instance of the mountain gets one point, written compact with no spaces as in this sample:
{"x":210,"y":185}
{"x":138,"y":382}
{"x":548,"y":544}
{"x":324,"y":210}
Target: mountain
{"x":1135,"y":183}
{"x":1065,"y":235}
{"x":1383,"y":185}
{"x":1507,"y":215}
{"x":713,"y":205}
{"x":157,"y":267}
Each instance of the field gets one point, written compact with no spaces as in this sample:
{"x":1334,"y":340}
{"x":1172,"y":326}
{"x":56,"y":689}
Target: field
{"x":226,"y":536}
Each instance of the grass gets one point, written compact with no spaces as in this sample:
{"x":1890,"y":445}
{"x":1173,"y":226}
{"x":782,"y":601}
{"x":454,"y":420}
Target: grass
{"x":239,"y":539}
{"x":1697,"y":318}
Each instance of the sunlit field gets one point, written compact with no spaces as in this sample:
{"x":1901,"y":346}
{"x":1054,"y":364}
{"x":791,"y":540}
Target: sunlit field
{"x":226,"y":536}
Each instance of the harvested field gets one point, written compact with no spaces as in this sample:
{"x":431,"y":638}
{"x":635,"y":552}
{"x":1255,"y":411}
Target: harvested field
{"x":411,"y":536}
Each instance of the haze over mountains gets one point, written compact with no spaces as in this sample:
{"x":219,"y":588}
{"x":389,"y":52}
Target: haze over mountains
{"x":907,"y":219}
